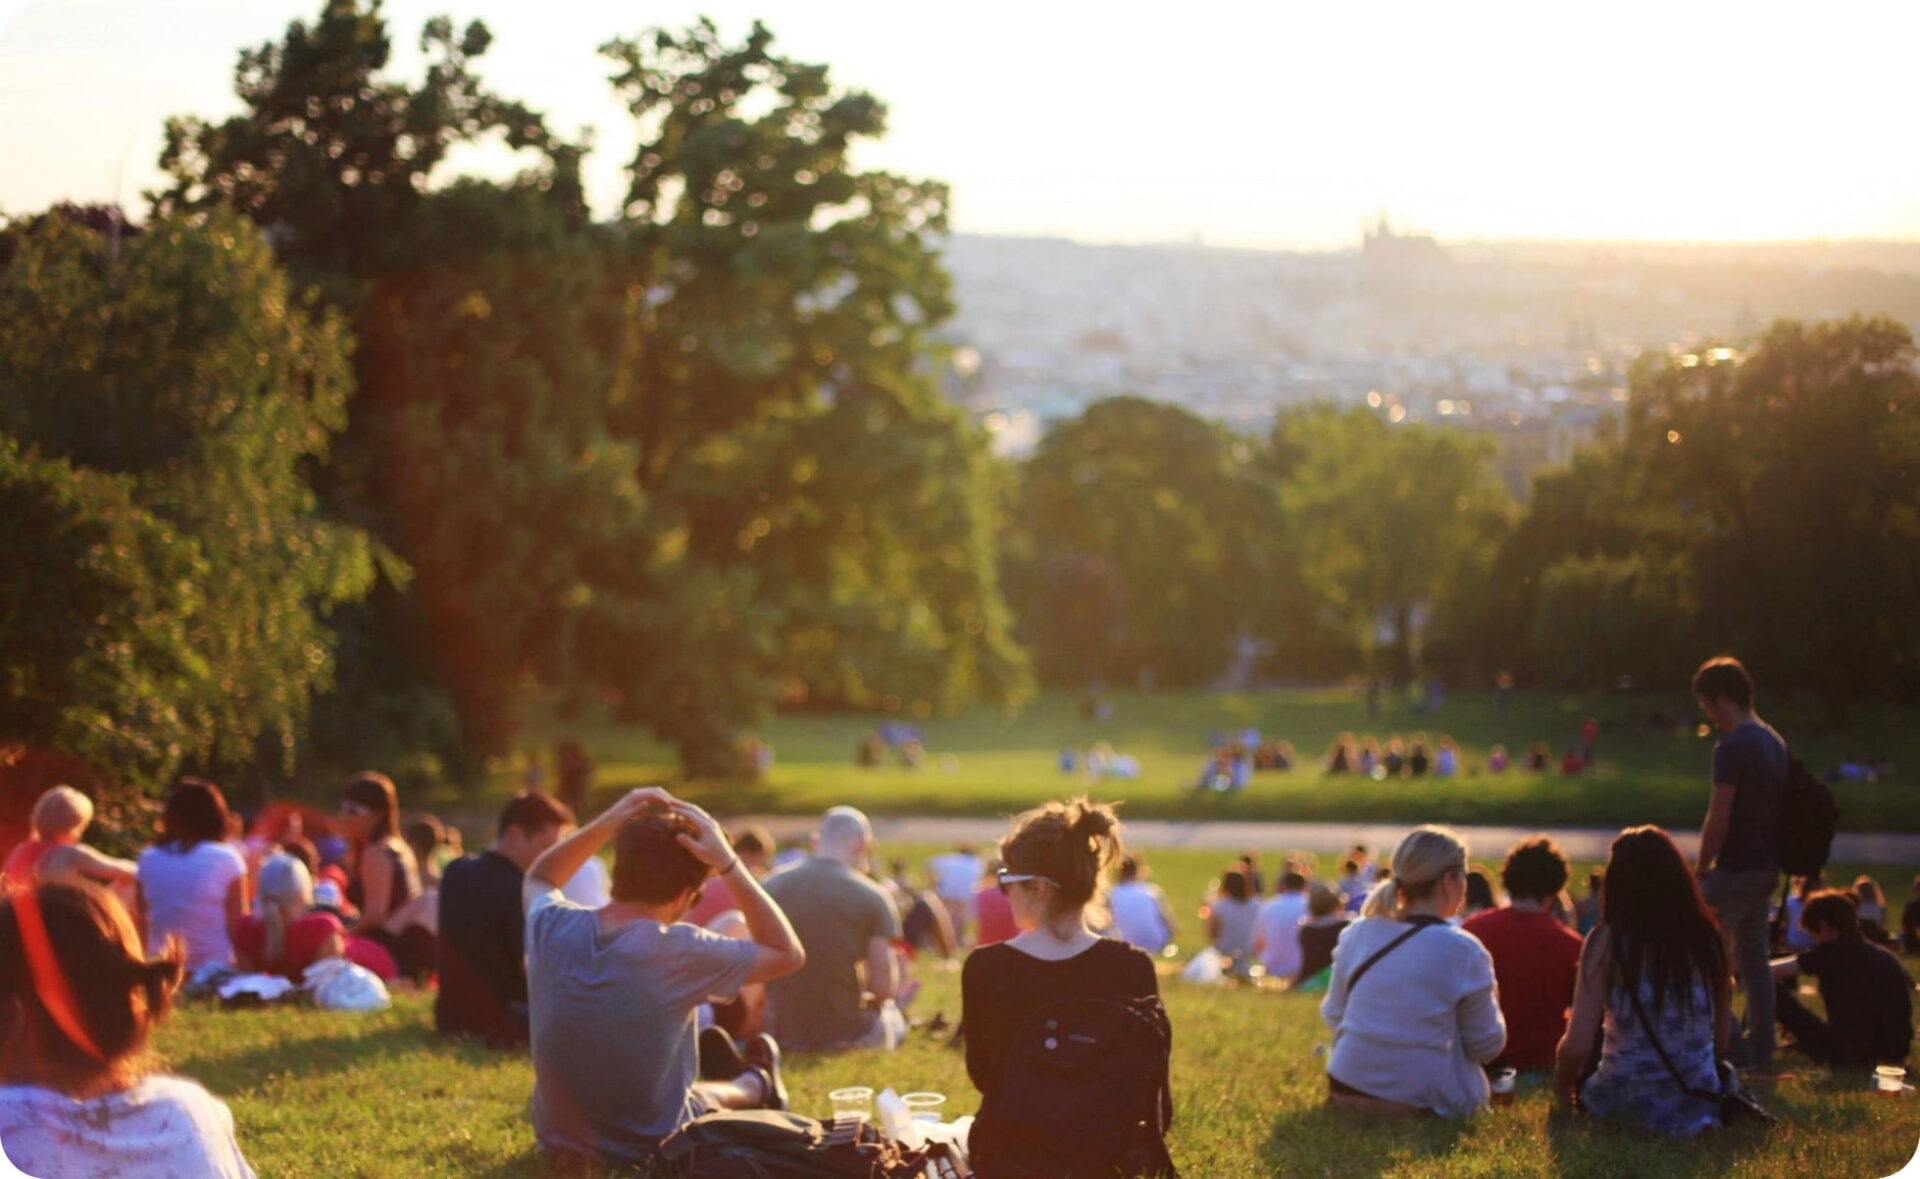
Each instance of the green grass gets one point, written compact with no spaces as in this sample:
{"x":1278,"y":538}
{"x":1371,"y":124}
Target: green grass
{"x":334,"y":1095}
{"x":985,"y":763}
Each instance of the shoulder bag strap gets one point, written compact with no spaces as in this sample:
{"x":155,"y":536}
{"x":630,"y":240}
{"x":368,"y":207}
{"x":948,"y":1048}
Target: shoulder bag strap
{"x":1382,"y":952}
{"x":1633,"y":994}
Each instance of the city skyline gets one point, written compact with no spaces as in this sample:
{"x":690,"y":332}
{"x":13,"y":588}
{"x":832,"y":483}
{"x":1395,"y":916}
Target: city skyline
{"x":1257,"y":129}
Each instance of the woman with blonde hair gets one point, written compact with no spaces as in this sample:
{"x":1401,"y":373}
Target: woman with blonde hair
{"x":1412,"y":1003}
{"x":60,"y":817}
{"x":1054,"y":873}
{"x":287,"y":936}
{"x":79,"y":1091}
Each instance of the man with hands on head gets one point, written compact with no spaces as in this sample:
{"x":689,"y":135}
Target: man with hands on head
{"x":613,"y":991}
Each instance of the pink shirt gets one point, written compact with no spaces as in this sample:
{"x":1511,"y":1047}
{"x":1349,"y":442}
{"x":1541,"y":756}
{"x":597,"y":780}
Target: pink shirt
{"x":993,"y":914}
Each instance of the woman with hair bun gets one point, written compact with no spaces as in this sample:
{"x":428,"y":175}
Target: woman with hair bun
{"x":1412,"y":1003}
{"x":1054,"y":868}
{"x":79,"y":1094}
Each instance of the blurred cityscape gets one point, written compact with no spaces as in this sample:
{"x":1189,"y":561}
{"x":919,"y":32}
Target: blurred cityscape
{"x":1530,"y":343}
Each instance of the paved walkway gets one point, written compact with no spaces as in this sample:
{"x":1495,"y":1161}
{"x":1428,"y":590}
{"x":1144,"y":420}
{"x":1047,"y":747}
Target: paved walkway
{"x":1486,"y":843}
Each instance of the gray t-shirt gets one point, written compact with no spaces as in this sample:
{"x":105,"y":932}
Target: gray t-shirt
{"x":836,"y":912}
{"x":614,"y":1037}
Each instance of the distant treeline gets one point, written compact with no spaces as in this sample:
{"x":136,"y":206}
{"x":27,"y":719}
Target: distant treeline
{"x":326,"y":464}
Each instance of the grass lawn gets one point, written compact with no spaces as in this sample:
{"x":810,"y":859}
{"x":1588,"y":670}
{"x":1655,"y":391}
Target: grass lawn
{"x":983,"y":763}
{"x":334,"y":1095}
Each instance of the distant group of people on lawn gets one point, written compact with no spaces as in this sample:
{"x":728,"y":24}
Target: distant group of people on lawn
{"x":670,"y":985}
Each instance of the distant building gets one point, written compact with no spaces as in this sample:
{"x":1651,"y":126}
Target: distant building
{"x":1384,"y":249}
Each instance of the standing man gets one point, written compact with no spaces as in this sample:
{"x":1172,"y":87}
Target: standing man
{"x":1739,"y":842}
{"x":840,"y":1000}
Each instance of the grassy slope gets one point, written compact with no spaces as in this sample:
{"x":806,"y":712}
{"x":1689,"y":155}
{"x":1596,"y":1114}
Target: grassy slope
{"x":985,"y":763}
{"x":335,"y":1095}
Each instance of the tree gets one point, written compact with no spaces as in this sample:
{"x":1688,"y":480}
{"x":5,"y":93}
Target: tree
{"x":187,"y":372}
{"x":1390,"y":520}
{"x":825,"y":514}
{"x":1794,"y":478}
{"x":1143,"y":521}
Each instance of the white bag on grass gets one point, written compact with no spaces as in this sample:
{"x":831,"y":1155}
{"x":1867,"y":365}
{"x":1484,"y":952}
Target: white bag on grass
{"x":340,"y":985}
{"x":1208,"y":966}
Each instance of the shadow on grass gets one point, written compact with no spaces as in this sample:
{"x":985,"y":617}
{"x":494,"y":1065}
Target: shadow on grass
{"x":1586,"y":1147}
{"x":320,"y":1056}
{"x":1353,"y":1145}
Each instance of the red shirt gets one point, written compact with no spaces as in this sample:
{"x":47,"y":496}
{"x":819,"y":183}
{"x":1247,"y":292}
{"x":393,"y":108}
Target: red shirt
{"x":993,"y":917}
{"x":1535,"y":962}
{"x":304,"y":939}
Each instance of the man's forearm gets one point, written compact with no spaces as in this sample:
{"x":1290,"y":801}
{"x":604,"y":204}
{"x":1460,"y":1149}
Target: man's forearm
{"x":558,"y":863}
{"x":766,"y":924}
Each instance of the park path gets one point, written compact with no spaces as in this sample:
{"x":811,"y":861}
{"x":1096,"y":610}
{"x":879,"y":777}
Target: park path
{"x":1486,"y":843}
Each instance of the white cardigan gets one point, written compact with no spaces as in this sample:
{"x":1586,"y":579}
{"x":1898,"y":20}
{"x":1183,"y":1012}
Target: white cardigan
{"x":1423,"y":1020}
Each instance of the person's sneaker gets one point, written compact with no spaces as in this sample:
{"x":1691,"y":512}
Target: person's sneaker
{"x":720,"y":1060}
{"x":764,"y":1056}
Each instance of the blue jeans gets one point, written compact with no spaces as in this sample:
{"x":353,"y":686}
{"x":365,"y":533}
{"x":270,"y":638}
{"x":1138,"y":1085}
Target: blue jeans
{"x":1744,"y":903}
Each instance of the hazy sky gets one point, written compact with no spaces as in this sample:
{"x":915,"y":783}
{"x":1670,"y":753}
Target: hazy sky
{"x":1271,"y":123}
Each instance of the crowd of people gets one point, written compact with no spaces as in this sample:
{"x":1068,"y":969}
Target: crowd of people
{"x":669,"y":986}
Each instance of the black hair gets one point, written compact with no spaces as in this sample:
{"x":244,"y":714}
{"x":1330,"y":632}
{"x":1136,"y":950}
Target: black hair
{"x":1830,"y":909}
{"x":1535,"y":870}
{"x":1662,"y":929}
{"x":1234,"y":883}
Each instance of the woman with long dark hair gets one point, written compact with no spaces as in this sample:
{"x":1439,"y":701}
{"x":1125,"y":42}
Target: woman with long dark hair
{"x":384,"y":877}
{"x":1654,"y":980}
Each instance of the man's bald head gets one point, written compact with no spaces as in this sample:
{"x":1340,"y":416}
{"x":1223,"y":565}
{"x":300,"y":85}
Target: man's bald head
{"x":845,"y":835}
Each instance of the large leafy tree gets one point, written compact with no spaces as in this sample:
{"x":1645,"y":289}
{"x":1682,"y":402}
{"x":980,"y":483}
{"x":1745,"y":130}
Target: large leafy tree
{"x":162,"y":404}
{"x":1142,"y":530}
{"x":824,"y":512}
{"x":1793,"y":479}
{"x":1390,"y":519}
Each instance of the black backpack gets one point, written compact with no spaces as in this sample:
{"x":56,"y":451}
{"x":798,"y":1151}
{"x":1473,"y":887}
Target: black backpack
{"x":1083,"y":1095}
{"x":1808,"y":817}
{"x":765,"y":1144}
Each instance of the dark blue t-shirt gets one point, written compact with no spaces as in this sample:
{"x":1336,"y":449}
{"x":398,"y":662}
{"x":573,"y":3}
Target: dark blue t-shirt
{"x":1753,"y":760}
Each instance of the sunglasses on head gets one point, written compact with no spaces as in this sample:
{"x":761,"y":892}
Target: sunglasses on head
{"x":1008,"y":879}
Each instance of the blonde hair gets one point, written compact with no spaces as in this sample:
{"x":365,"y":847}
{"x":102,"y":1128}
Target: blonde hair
{"x":286,"y":893}
{"x":60,"y":811}
{"x":1421,"y":861}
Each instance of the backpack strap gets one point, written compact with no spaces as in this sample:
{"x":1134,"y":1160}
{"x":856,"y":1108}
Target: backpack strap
{"x":1418,"y":924}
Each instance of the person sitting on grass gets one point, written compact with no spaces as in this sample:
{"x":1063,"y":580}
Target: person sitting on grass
{"x":60,"y":818}
{"x":842,"y":1000}
{"x":1654,"y":980}
{"x":192,"y":883}
{"x":1055,"y":864}
{"x":1276,"y":939}
{"x":1910,"y":921}
{"x":286,"y":936}
{"x":80,"y":1094}
{"x":1141,"y":914}
{"x":1536,"y":958}
{"x":385,"y":879}
{"x":1319,"y":932}
{"x":1866,"y":992}
{"x":1411,"y":1003}
{"x":1232,"y":919}
{"x":481,"y":956}
{"x":617,"y":1061}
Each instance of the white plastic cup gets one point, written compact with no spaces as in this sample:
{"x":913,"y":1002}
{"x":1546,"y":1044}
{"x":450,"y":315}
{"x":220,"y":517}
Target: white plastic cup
{"x":925,"y":1107}
{"x":1890,"y":1080}
{"x":854,"y":1103}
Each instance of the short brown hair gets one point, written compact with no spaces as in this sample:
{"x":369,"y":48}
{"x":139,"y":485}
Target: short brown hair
{"x":534,"y":810}
{"x":1724,"y":677}
{"x":119,"y":994}
{"x":650,"y":865}
{"x":196,"y":813}
{"x":1830,"y":909}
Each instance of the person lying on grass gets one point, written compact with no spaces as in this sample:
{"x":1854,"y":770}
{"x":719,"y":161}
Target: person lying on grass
{"x":612,"y":992}
{"x":80,"y":1095}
